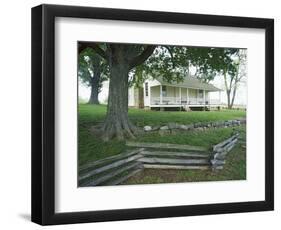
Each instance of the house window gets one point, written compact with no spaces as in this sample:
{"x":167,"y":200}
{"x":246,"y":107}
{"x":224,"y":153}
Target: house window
{"x":164,"y":91}
{"x":200,"y":93}
{"x":146,"y":89}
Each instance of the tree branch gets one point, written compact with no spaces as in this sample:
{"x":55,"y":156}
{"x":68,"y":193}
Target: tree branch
{"x":138,"y":60}
{"x":171,"y":53}
{"x":94,"y":46}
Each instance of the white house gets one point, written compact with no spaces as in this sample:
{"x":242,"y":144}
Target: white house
{"x":189,"y":94}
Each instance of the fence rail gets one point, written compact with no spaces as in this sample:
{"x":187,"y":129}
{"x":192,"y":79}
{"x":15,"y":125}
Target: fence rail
{"x":221,"y":150}
{"x":166,"y":146}
{"x":116,"y":169}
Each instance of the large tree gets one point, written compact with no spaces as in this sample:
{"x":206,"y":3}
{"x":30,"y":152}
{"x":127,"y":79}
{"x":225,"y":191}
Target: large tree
{"x":235,"y":77}
{"x":121,"y":59}
{"x":170,"y":62}
{"x":230,"y":63}
{"x":92,"y":71}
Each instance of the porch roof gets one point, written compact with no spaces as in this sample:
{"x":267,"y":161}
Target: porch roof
{"x":190,"y":82}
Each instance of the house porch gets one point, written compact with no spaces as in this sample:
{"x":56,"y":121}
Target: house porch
{"x":169,"y":96}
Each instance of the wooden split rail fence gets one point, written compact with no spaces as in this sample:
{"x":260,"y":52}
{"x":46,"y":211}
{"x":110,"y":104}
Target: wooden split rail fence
{"x":221,"y":150}
{"x":117,"y":169}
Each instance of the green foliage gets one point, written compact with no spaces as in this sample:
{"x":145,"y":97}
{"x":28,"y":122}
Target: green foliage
{"x":167,"y":62}
{"x":84,"y":70}
{"x":212,"y":61}
{"x":173,"y":63}
{"x":137,"y":76}
{"x":90,"y":66}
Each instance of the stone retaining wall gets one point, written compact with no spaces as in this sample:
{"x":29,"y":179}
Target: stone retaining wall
{"x":199,"y":126}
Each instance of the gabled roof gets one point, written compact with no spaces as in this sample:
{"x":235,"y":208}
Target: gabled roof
{"x":189,"y":82}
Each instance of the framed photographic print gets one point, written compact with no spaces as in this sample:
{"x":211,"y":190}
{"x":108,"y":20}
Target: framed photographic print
{"x":143,"y":114}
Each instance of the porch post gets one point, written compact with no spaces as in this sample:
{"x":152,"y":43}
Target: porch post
{"x":160,"y":94}
{"x":220,"y":97}
{"x":187,"y":96}
{"x":204,"y":96}
{"x":180,"y":95}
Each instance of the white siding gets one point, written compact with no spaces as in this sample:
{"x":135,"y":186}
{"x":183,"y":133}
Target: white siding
{"x":131,"y":97}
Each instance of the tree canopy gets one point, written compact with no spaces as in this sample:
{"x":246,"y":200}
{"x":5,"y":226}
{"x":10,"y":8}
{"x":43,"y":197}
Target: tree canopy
{"x":174,"y":63}
{"x":129,"y":64}
{"x":92,"y":72}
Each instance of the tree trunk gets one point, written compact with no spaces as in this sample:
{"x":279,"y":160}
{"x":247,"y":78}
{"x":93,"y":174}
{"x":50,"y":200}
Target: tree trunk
{"x":117,"y":124}
{"x":94,"y":91}
{"x":228,"y":92}
{"x":233,"y":96}
{"x":141,"y":97}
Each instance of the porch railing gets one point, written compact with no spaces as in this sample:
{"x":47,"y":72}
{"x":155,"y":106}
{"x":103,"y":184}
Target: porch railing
{"x":182,"y":101}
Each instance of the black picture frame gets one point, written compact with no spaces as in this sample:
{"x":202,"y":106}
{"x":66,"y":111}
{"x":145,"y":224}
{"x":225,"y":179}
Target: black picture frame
{"x":43,"y":114}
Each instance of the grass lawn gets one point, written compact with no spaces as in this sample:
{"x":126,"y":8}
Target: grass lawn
{"x":91,"y":114}
{"x":92,"y":148}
